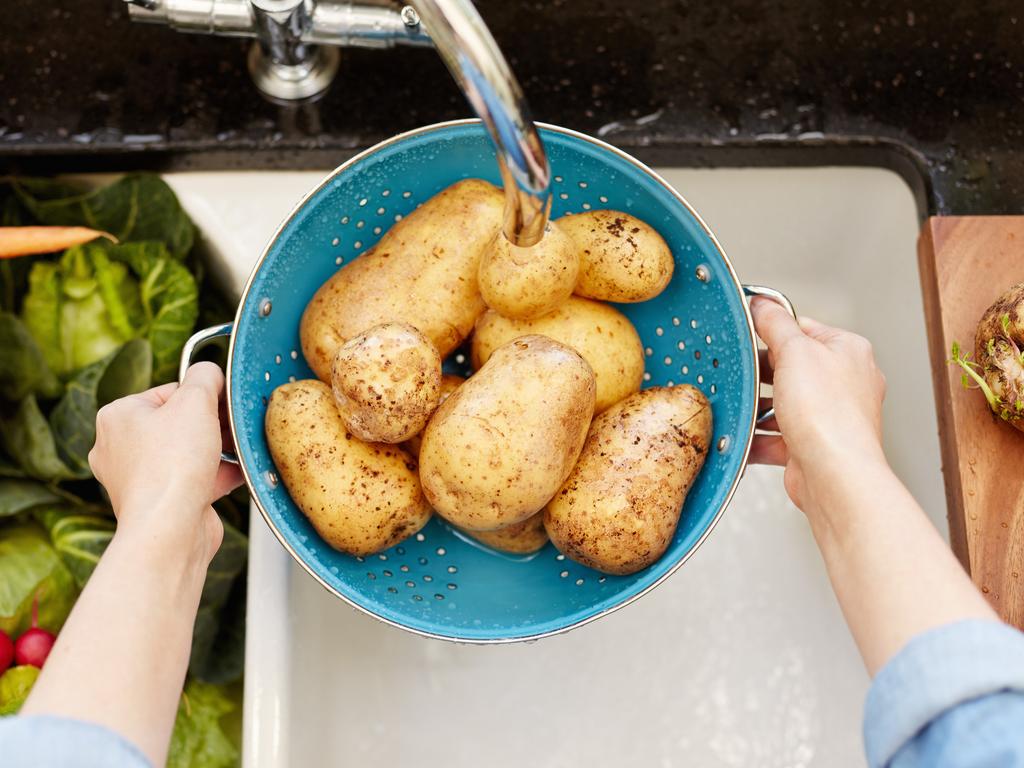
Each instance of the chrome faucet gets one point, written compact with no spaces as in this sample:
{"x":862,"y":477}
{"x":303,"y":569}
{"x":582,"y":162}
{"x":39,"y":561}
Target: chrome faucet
{"x":296,"y":57}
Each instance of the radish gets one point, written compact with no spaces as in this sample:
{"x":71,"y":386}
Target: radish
{"x":33,"y":647}
{"x":35,"y":643}
{"x":6,"y":651}
{"x":998,"y":367}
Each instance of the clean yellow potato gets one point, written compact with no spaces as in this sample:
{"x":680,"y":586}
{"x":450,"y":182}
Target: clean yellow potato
{"x":500,"y":446}
{"x":421,"y":272}
{"x":449,"y":383}
{"x":386,"y":383}
{"x":525,"y":283}
{"x":622,"y":259}
{"x":618,"y":510}
{"x":602,"y":334}
{"x":518,"y":539}
{"x":360,"y":497}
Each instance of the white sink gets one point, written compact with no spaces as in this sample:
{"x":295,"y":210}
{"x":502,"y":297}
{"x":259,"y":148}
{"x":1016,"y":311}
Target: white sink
{"x":740,"y":659}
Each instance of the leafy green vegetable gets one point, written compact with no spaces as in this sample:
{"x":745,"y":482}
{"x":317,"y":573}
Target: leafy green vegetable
{"x":73,"y":420}
{"x":100,"y":295}
{"x":30,"y":568}
{"x":80,"y":309}
{"x":136,"y":207}
{"x":15,"y":684}
{"x":198,"y":739}
{"x":79,"y":537}
{"x":170,"y":302}
{"x":28,"y":440}
{"x":23,"y":367}
{"x":207,"y":647}
{"x":17,"y":496}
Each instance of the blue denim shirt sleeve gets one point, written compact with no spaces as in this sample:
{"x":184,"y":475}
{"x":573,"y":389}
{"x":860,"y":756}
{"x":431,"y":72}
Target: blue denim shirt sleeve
{"x":952,"y":697}
{"x":57,"y":742}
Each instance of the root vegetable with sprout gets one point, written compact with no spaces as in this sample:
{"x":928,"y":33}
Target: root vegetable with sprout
{"x":998,"y":367}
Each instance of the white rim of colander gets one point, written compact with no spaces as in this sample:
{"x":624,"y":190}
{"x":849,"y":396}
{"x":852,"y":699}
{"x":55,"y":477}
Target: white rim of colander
{"x":251,"y":480}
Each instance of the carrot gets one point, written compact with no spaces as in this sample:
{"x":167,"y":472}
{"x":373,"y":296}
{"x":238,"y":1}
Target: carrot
{"x":24,"y":241}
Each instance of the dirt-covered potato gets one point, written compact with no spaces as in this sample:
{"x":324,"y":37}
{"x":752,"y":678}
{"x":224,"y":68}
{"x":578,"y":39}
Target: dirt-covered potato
{"x":998,"y":365}
{"x":500,"y":446}
{"x":525,"y":283}
{"x":421,"y":272}
{"x":360,"y":497}
{"x":602,"y":334}
{"x":386,"y":383}
{"x":449,"y":383}
{"x":619,"y":508}
{"x":622,"y":259}
{"x":518,"y":539}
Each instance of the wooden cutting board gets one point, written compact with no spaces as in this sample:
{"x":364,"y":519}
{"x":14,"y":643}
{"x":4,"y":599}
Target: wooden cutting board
{"x":966,"y":263}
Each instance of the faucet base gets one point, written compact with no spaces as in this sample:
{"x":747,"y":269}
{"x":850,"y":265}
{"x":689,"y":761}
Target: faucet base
{"x":294,"y":82}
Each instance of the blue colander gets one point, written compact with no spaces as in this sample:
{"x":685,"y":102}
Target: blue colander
{"x":439,"y":583}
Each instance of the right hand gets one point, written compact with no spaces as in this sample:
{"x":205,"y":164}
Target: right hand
{"x":828,"y":395}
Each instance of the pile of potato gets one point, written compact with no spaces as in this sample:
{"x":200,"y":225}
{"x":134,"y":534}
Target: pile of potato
{"x":551,"y":436}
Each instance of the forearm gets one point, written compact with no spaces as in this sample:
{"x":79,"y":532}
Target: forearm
{"x":121,"y":658}
{"x":891,"y":571}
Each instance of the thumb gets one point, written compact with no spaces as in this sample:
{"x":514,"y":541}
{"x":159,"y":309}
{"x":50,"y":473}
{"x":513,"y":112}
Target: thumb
{"x":773,"y":323}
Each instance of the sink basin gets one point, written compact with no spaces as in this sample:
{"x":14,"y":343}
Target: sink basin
{"x":740,"y":659}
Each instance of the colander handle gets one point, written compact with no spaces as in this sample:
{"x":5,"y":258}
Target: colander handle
{"x":771,"y":293}
{"x":483,"y":74}
{"x":188,"y":352}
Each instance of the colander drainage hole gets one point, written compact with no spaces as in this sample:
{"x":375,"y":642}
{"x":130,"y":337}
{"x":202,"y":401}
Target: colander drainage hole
{"x":675,"y":321}
{"x":403,"y":568}
{"x":294,"y":355}
{"x":336,"y":241}
{"x":564,"y":574}
{"x":659,"y":331}
{"x":647,"y":376}
{"x":392,"y":590}
{"x":602,"y":579}
{"x":452,"y":586}
{"x":417,"y":598}
{"x":559,"y":557}
{"x":380,"y":211}
{"x":400,"y":550}
{"x":668,"y":360}
{"x":438,"y":596}
{"x":420,"y":537}
{"x":387,"y":573}
{"x":410,"y":584}
{"x":428,"y":578}
{"x":371,"y":575}
{"x":382,"y":556}
{"x":422,"y":561}
{"x":440,"y":551}
{"x":452,"y":569}
{"x":579,"y":582}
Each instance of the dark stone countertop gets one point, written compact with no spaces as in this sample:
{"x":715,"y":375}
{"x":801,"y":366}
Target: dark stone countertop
{"x":931,"y":88}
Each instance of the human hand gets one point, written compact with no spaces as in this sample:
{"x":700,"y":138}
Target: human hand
{"x":827,"y":393}
{"x":157,"y":454}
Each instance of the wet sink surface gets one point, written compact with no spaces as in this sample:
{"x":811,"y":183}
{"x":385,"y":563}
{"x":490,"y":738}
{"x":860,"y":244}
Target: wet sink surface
{"x":739,"y":659}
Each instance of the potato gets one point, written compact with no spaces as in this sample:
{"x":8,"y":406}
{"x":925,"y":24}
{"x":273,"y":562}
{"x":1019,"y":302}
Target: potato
{"x":386,"y":383}
{"x":449,"y":383}
{"x":603,"y":335}
{"x":421,"y":272}
{"x":501,"y":445}
{"x":360,"y":497}
{"x":518,"y":539}
{"x":621,"y":258}
{"x":618,"y":510}
{"x":525,"y":283}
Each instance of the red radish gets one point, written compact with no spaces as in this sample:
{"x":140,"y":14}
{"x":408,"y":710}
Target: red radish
{"x":6,"y":651}
{"x":35,"y":644}
{"x":33,"y":647}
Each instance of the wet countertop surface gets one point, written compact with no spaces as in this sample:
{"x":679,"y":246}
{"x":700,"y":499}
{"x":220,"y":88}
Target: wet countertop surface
{"x":931,"y":88}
